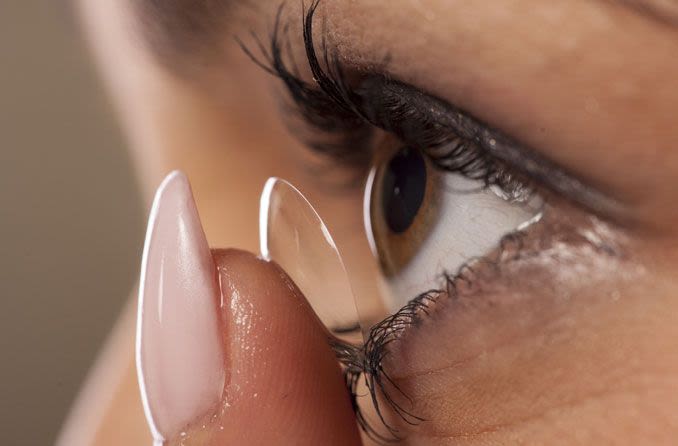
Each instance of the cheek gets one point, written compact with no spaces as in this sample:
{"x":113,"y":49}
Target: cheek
{"x":536,"y":339}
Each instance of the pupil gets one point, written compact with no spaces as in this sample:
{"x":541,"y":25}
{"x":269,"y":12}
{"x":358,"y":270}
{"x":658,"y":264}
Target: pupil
{"x":404,"y":189}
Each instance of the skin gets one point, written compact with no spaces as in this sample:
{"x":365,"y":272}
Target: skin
{"x":272,"y":381}
{"x":569,"y":345}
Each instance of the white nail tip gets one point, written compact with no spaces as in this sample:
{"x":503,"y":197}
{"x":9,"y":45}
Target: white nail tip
{"x":179,"y":355}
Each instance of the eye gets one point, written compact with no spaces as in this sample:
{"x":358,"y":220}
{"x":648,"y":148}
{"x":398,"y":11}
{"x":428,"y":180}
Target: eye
{"x":450,"y":192}
{"x":423,"y":221}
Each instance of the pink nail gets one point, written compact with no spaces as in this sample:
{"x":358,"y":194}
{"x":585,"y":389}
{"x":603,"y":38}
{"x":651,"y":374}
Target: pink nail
{"x":179,"y":355}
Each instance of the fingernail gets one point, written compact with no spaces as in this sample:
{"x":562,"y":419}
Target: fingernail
{"x":179,"y":355}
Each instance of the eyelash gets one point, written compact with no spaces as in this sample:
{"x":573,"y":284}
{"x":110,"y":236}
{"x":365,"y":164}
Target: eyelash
{"x":367,"y":360}
{"x":344,"y":123}
{"x":336,"y":110}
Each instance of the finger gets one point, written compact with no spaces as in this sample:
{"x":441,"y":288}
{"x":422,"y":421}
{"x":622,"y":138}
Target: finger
{"x":285,"y":386}
{"x":229,"y":351}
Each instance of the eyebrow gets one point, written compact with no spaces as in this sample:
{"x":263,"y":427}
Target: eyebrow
{"x":179,"y":28}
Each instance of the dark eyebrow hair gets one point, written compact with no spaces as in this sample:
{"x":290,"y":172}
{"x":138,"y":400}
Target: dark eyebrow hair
{"x":174,"y":29}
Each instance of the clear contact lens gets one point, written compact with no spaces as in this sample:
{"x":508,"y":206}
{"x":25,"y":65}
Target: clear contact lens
{"x":292,"y":234}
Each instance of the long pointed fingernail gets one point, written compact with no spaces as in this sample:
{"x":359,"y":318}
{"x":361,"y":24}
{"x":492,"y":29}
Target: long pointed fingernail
{"x":179,"y":354}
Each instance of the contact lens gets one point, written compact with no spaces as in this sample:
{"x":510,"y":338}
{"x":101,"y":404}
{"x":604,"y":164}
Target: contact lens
{"x":292,"y":234}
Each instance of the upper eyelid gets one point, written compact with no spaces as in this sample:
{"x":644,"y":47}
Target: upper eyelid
{"x":504,"y":148}
{"x":500,"y":146}
{"x":331,"y":84}
{"x":493,"y":141}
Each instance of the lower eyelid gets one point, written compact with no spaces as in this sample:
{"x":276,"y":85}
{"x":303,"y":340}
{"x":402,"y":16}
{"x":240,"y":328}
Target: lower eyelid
{"x":543,"y":256}
{"x":517,"y":286}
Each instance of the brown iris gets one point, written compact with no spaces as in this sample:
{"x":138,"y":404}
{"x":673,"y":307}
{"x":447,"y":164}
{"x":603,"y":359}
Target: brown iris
{"x":403,"y":207}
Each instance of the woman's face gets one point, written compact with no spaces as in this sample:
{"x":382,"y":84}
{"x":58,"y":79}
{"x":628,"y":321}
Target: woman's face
{"x":523,"y":173}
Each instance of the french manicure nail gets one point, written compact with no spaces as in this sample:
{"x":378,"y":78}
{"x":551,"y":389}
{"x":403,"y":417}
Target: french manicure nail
{"x":179,"y":355}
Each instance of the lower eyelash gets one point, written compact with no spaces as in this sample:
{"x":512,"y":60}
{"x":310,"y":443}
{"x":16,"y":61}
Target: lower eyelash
{"x":366,"y":361}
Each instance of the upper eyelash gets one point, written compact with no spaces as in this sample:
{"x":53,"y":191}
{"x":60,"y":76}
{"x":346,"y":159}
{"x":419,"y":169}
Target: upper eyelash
{"x":446,"y":149}
{"x":326,"y":106}
{"x":339,"y":111}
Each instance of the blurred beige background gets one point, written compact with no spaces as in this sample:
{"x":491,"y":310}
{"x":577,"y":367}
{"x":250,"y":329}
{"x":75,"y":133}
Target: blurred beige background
{"x":71,"y":223}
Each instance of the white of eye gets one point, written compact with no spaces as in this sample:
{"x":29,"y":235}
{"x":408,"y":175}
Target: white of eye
{"x":471,"y":222}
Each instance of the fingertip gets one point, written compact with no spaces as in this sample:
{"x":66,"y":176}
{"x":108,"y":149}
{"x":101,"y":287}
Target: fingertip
{"x":284,"y":385}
